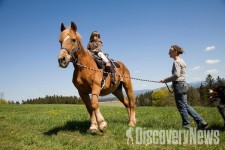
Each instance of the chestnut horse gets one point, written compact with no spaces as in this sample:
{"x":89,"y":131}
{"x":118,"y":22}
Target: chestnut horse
{"x":88,"y":81}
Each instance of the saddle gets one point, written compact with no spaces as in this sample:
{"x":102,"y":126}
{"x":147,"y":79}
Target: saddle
{"x":102,"y":65}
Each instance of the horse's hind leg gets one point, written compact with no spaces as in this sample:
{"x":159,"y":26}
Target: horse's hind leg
{"x":129,"y":91}
{"x":119,"y":94}
{"x":127,"y":102}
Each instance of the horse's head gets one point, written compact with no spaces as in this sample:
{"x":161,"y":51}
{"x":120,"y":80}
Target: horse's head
{"x":217,"y":92}
{"x":212,"y":93}
{"x":70,"y":43}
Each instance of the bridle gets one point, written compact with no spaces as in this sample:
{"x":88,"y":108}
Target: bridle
{"x":72,"y":52}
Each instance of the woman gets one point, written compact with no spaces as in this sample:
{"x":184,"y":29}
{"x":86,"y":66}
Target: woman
{"x":95,"y":46}
{"x":180,"y":89}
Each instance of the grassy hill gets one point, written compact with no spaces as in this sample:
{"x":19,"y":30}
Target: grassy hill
{"x":47,"y":127}
{"x":111,"y":97}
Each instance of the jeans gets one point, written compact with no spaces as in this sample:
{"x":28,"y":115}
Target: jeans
{"x":180,"y":94}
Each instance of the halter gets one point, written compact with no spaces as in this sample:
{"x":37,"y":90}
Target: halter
{"x":71,"y":53}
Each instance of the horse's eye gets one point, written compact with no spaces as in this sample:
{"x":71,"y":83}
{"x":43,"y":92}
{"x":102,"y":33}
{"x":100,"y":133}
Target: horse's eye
{"x":73,"y":40}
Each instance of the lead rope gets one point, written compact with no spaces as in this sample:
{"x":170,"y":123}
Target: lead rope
{"x":169,"y":88}
{"x":97,"y":70}
{"x":116,"y":74}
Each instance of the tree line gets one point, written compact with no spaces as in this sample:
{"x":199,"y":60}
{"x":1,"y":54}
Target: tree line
{"x":196,"y":96}
{"x":3,"y":101}
{"x":55,"y":99}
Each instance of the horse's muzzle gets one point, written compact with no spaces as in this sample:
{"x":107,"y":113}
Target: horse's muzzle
{"x":63,"y":61}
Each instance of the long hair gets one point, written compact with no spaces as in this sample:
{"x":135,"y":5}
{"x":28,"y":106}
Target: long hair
{"x":93,"y":34}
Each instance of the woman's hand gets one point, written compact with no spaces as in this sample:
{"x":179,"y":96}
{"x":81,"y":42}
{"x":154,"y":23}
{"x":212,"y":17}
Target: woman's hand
{"x":162,"y":81}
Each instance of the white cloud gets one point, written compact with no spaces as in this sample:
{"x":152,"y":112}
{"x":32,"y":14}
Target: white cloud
{"x":210,"y":48}
{"x":195,"y":68}
{"x":211,"y":61}
{"x":212,"y":71}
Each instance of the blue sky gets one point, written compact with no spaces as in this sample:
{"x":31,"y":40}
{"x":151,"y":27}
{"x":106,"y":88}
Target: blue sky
{"x":138,"y":33}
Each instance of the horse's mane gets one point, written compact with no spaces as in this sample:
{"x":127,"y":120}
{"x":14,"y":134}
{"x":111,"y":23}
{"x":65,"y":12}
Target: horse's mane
{"x":79,"y":36}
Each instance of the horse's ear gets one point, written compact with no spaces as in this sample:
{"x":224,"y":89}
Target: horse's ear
{"x":73,"y":26}
{"x":62,"y":27}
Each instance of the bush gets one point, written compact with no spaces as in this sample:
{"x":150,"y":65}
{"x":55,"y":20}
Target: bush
{"x":2,"y":101}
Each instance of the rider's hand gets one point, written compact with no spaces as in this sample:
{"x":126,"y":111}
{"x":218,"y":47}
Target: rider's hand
{"x":95,"y":51}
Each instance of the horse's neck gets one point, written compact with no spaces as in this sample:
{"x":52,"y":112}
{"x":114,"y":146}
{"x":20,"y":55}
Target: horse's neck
{"x":84,"y":58}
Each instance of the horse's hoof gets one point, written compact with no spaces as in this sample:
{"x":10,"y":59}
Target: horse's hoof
{"x":131,"y":124}
{"x":93,"y":131}
{"x":103,"y":126}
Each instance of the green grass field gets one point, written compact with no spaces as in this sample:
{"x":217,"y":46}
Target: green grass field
{"x":61,"y":127}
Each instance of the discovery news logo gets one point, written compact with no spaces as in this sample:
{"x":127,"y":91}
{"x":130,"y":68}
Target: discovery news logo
{"x":140,"y":135}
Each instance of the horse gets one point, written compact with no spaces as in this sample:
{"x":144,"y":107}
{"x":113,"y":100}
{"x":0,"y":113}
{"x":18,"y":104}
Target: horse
{"x":87,"y":78}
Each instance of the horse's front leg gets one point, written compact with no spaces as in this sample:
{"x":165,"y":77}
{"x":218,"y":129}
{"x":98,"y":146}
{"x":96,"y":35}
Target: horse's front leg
{"x":96,"y":112}
{"x":87,"y":101}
